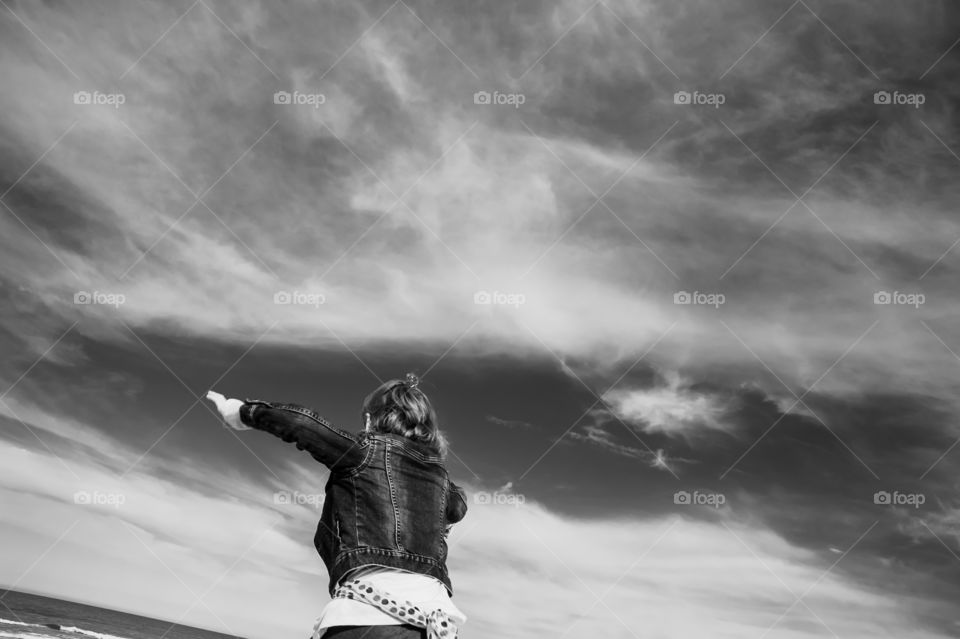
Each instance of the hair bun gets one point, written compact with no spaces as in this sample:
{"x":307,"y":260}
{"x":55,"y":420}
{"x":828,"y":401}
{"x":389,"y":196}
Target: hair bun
{"x":412,"y":380}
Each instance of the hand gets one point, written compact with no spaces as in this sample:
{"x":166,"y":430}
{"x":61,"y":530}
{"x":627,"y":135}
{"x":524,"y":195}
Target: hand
{"x":229,"y":410}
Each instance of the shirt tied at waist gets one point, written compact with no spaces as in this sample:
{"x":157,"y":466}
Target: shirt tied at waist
{"x":438,"y":624}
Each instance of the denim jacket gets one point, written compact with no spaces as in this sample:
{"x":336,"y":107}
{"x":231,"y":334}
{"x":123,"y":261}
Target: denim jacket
{"x":388,"y":500}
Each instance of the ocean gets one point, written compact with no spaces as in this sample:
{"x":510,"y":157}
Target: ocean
{"x":27,"y":616}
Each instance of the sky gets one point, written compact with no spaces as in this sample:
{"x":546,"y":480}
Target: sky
{"x":676,"y":275}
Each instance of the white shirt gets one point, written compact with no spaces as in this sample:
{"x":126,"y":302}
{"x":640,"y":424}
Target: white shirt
{"x":424,"y":591}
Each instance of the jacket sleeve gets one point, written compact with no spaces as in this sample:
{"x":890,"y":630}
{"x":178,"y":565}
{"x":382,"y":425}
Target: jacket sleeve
{"x":332,"y":447}
{"x":456,"y":504}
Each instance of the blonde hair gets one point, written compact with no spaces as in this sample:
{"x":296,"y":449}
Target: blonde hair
{"x":399,"y":407}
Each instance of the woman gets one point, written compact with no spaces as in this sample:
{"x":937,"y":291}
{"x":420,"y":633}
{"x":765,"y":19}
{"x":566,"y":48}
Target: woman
{"x":388,"y":507}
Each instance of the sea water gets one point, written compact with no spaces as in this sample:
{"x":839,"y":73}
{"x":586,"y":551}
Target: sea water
{"x":28,"y":616}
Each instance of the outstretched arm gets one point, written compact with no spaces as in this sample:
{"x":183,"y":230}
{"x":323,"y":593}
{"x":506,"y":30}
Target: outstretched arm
{"x":336,"y":449}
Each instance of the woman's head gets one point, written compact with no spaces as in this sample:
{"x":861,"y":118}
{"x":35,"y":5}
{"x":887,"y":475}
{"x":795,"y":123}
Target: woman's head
{"x":399,"y":407}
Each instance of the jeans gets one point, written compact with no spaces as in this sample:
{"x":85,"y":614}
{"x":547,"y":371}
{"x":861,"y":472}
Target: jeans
{"x":402,"y":631}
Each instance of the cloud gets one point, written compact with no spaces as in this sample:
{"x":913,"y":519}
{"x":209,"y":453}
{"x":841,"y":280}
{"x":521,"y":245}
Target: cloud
{"x":942,"y":525}
{"x":673,"y":409}
{"x":599,"y":436}
{"x":327,"y":175}
{"x":194,"y":535}
{"x":663,"y":577}
{"x":508,"y":423}
{"x":668,"y":575}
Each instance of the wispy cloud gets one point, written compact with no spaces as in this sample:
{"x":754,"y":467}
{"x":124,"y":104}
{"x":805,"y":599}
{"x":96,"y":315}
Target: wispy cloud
{"x":672,"y":408}
{"x":509,"y":423}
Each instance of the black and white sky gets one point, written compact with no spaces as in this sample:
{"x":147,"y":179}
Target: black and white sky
{"x":296,"y":200}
